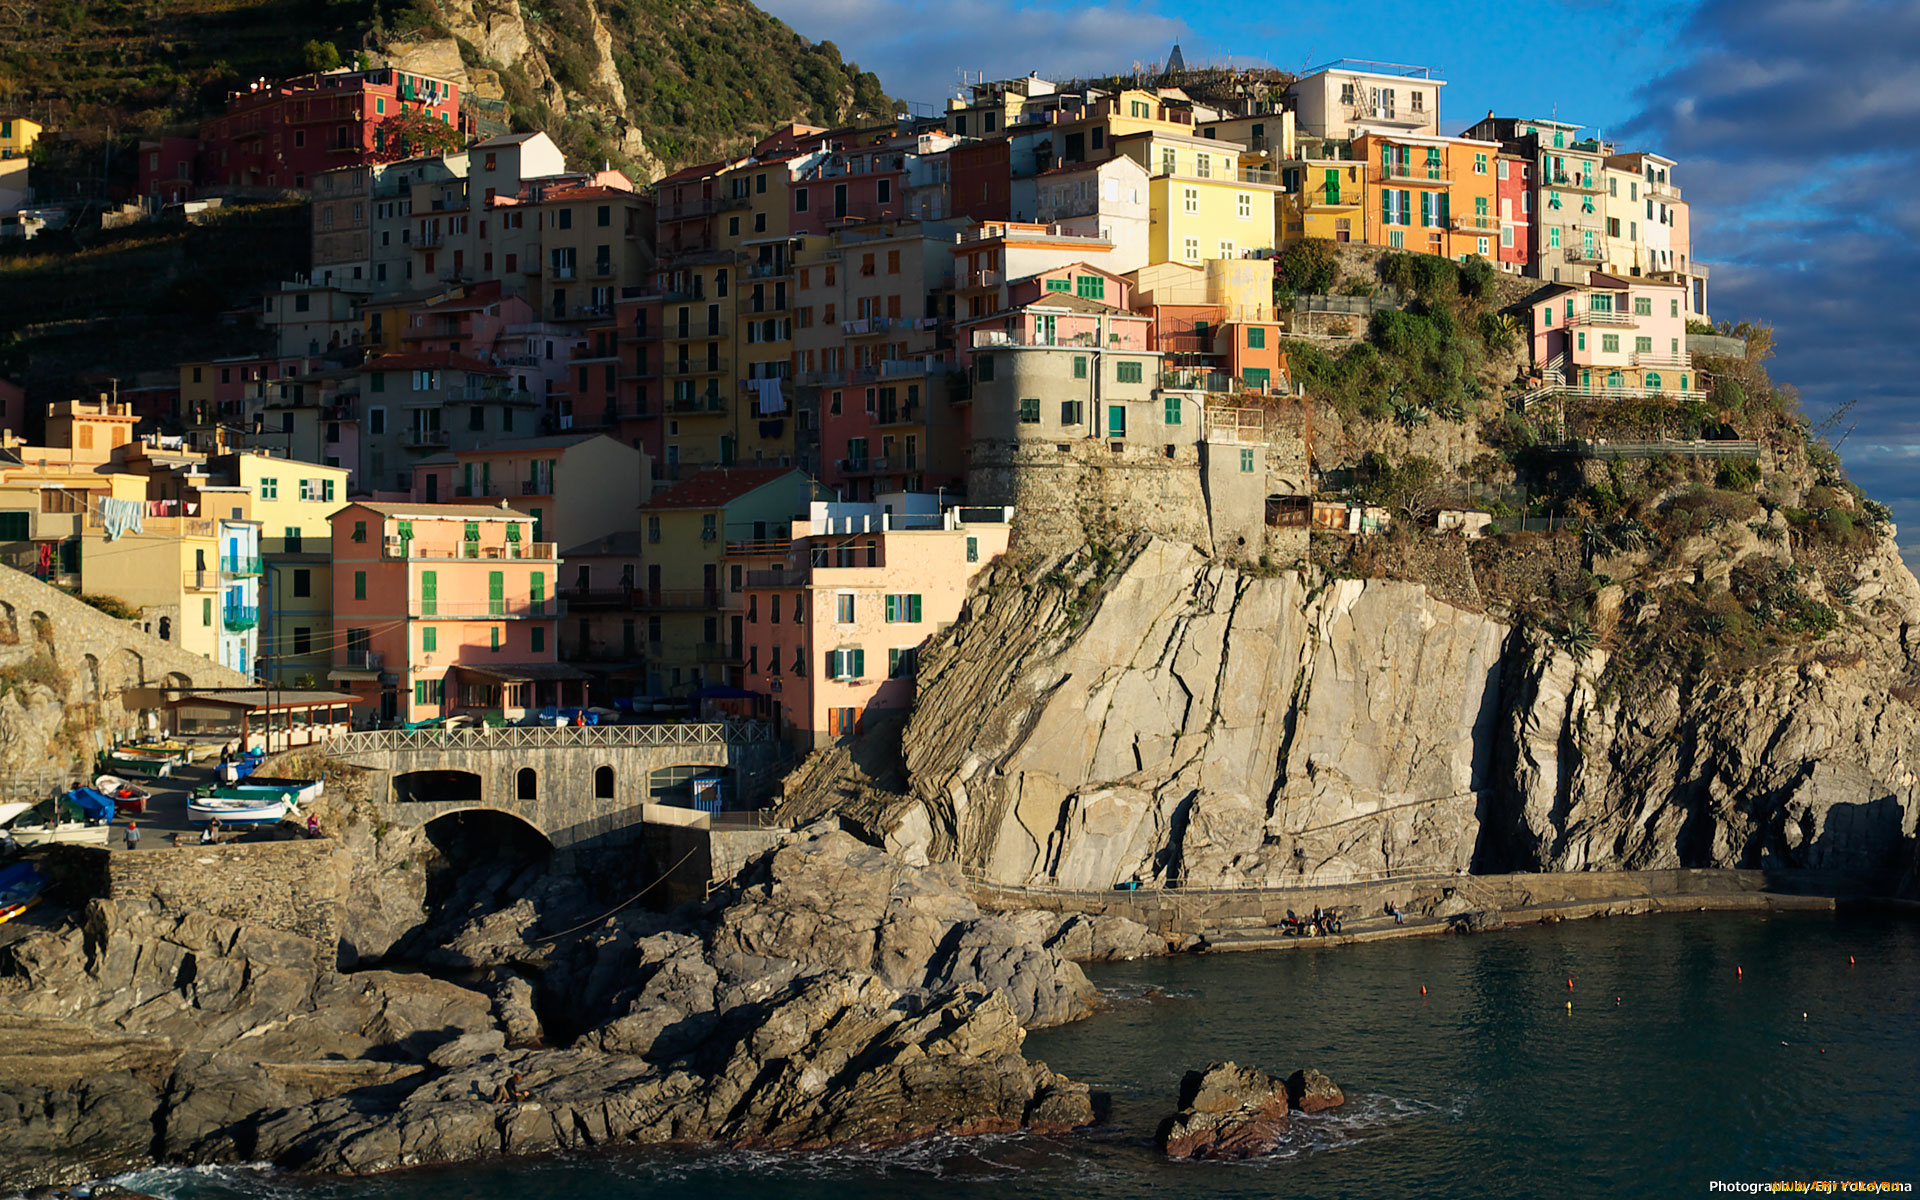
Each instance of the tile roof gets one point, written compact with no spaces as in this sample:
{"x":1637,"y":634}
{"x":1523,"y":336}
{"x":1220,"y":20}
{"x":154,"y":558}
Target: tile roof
{"x":465,"y":512}
{"x":444,"y":359}
{"x":717,"y":486}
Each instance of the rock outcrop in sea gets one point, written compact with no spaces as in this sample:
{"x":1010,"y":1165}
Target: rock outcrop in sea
{"x":1228,"y":1111}
{"x":837,"y":996}
{"x":1156,"y":715}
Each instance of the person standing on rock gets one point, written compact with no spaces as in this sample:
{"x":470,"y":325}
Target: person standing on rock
{"x":133,"y":835}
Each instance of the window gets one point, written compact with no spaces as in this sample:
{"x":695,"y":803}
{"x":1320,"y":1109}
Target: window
{"x":1643,"y":306}
{"x":429,"y":640}
{"x":1610,"y":343}
{"x":902,"y":662}
{"x":1168,"y":164}
{"x":1127,"y":371}
{"x":1244,"y":205}
{"x":1060,"y":285}
{"x":1079,"y":366}
{"x":983,"y":368}
{"x":359,"y":531}
{"x":1256,"y":338}
{"x":1091,"y":287}
{"x":359,"y":585}
{"x":1246,"y":462}
{"x":1191,"y":200}
{"x":1116,"y":420}
{"x":903,"y":608}
{"x":1030,"y":410}
{"x":800,"y":200}
{"x":1192,"y":249}
{"x":1173,"y":410}
{"x":537,"y":639}
{"x":302,"y":582}
{"x":1072,"y":412}
{"x":269,"y":489}
{"x":206,"y":611}
{"x":973,"y":549}
{"x":1503,"y":168}
{"x":843,"y":608}
{"x":1479,"y":164}
{"x":846,"y":664}
{"x":494,"y":638}
{"x":1643,"y":345}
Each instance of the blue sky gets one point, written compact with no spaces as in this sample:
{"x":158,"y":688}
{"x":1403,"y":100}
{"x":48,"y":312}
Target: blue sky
{"x":1796,"y":124}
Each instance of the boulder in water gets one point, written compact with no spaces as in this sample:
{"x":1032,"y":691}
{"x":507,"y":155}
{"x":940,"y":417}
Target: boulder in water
{"x":1309,"y":1091}
{"x":1226,"y":1111}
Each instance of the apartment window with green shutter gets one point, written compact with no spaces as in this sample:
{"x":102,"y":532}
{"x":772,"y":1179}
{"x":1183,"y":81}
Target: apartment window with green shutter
{"x":359,"y":585}
{"x":904,"y":608}
{"x":537,"y":591}
{"x":1580,"y":340}
{"x":1643,"y":306}
{"x":496,"y":594}
{"x":1256,"y":338}
{"x":429,"y":640}
{"x":494,"y":630}
{"x":1610,"y":343}
{"x":1127,"y":372}
{"x":473,"y":531}
{"x":973,"y":549}
{"x":1173,"y":410}
{"x":429,"y":593}
{"x":1116,"y":420}
{"x":538,"y":639}
{"x":1643,"y":345}
{"x":1071,"y":413}
{"x":1246,"y":462}
{"x":269,"y":489}
{"x":15,"y":527}
{"x":1673,"y":309}
{"x":359,"y":531}
{"x":1090,"y":287}
{"x":983,"y":367}
{"x":1060,"y":285}
{"x":326,"y":490}
{"x":377,"y":381}
{"x":1030,"y":410}
{"x":206,"y":612}
{"x":1079,"y":366}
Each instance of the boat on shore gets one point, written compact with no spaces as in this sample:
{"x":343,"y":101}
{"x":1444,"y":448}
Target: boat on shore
{"x":120,"y":762}
{"x":62,"y":819}
{"x":299,"y":791}
{"x":126,"y":795}
{"x":265,"y":808}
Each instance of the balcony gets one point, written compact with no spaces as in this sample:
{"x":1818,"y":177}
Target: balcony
{"x":1682,"y":361}
{"x":711,"y":366}
{"x":703,"y":206}
{"x":1414,"y":173}
{"x":773,"y":270}
{"x":1583,"y":253}
{"x":361,"y":660}
{"x":1574,"y":183}
{"x":578,"y":598}
{"x":777,"y":578}
{"x":899,"y":414}
{"x":1475,"y":224}
{"x":559,"y":272}
{"x":1000,"y":339}
{"x":982,"y":279}
{"x":1326,"y":197}
{"x":196,"y":581}
{"x":530,"y":551}
{"x":1382,"y":114}
{"x":1601,"y":318}
{"x":424,"y":438}
{"x":718,"y":652}
{"x":241,"y":565}
{"x":240,"y":617}
{"x":486,"y":610}
{"x":766,"y":306}
{"x":697,"y":331}
{"x":707,"y":405}
{"x":680,"y":599}
{"x":874,"y":466}
{"x":544,"y":487}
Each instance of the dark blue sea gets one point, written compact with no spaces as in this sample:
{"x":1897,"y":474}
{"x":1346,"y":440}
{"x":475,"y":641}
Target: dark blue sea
{"x":1728,"y":1048}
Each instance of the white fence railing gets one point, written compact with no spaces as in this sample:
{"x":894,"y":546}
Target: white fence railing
{"x":1309,"y":881}
{"x":530,"y":737}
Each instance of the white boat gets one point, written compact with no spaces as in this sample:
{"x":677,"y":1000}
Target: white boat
{"x":301,"y":791}
{"x":269,"y":808}
{"x":28,"y":824}
{"x":127,"y":795}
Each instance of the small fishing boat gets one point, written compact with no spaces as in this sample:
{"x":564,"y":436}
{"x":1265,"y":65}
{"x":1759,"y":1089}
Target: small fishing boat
{"x":178,"y":755}
{"x":264,"y":809}
{"x":144,"y":766}
{"x":127,"y":796}
{"x":61,"y":819}
{"x":301,"y":790}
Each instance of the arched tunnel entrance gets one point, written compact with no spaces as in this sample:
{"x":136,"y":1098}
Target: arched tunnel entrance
{"x":482,"y":858}
{"x":430,"y":787}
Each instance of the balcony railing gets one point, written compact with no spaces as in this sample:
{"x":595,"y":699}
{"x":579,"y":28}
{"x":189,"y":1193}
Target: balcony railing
{"x":899,"y":414}
{"x":428,"y":437}
{"x":697,"y":331}
{"x":708,"y":404}
{"x":627,"y":596}
{"x":1414,"y":172}
{"x":1000,"y":339}
{"x":711,"y":366}
{"x":765,"y":306}
{"x":878,"y":466}
{"x":1476,"y":224}
{"x":778,"y":578}
{"x":701,"y":206}
{"x":361,"y":660}
{"x":1590,"y":317}
{"x":717,"y":652}
{"x":485,"y":610}
{"x":198,"y":581}
{"x":1680,"y":361}
{"x":241,"y":565}
{"x":684,"y":599}
{"x":410,"y":548}
{"x":1583,"y":253}
{"x":239,"y":617}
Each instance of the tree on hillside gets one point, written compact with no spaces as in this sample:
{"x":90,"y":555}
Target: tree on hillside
{"x":320,"y":56}
{"x":413,"y":132}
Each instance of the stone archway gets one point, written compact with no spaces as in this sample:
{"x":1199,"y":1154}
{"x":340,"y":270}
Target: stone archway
{"x":9,"y":625}
{"x":43,"y":632}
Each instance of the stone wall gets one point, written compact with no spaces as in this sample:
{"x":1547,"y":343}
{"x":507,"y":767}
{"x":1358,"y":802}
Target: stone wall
{"x":101,"y":674}
{"x":295,"y":886}
{"x":1068,"y":493}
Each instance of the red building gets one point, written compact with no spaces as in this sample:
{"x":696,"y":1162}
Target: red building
{"x":982,"y":180}
{"x":280,"y":135}
{"x":1513,"y":192}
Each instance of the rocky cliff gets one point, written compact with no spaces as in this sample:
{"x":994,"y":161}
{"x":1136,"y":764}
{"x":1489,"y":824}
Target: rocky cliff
{"x":1162,"y":716}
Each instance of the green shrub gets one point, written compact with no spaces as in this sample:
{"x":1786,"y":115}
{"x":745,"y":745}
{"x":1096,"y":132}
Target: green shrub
{"x":1738,"y":475}
{"x":1307,"y":266}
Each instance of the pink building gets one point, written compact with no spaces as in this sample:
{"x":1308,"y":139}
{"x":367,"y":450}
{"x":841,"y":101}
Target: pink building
{"x":1513,"y":196}
{"x":446,"y":608}
{"x":833,"y":629}
{"x":1617,"y":337}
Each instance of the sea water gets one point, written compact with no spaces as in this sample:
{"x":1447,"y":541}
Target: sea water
{"x":1699,"y":1051}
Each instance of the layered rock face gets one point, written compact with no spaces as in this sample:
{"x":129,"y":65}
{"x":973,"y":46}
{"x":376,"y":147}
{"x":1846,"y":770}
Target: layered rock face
{"x":842,"y":997}
{"x":1173,"y":717}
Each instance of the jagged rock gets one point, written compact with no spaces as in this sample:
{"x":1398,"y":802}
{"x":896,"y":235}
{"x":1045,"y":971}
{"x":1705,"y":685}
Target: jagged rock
{"x":1106,"y":938}
{"x":1309,"y":1091}
{"x":1478,"y":920}
{"x":1226,"y":1111}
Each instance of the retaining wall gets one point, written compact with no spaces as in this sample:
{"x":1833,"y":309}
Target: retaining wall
{"x":295,"y":886}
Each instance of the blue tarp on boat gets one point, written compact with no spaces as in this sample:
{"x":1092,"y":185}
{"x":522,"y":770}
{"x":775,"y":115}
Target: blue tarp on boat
{"x":97,"y":805}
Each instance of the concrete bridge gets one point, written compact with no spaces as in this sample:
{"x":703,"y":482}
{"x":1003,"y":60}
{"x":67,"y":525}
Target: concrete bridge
{"x":580,"y":787}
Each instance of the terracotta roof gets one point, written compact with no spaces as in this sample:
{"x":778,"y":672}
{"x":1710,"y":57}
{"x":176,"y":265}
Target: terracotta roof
{"x":416,"y":360}
{"x":465,"y":512}
{"x":718,"y":486}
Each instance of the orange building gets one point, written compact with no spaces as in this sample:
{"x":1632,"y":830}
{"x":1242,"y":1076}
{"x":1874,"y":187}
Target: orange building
{"x":446,"y":608}
{"x":1435,"y":195}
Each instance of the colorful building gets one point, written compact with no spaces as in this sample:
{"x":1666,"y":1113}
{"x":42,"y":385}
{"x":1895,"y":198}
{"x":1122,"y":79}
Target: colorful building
{"x":1431,"y":194}
{"x":834,"y":626}
{"x":1621,"y":338}
{"x":444,"y":609}
{"x":1204,"y":204}
{"x":17,"y":136}
{"x":576,"y":486}
{"x":291,"y":503}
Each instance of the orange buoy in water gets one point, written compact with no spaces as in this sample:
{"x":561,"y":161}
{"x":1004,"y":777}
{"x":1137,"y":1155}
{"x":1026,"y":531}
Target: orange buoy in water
{"x":1849,"y":960}
{"x":1740,"y":972}
{"x":1423,"y":989}
{"x":1569,"y":985}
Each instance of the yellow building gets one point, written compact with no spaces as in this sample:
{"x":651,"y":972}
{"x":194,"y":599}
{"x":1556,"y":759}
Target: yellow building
{"x":1204,"y":204}
{"x":169,"y":570}
{"x":1325,"y":199}
{"x":17,"y":136}
{"x":293,"y":502}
